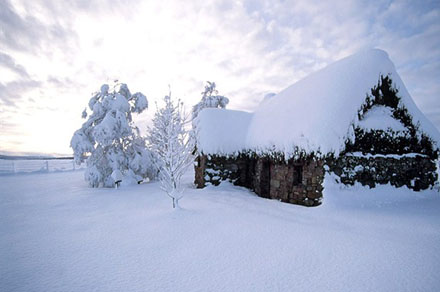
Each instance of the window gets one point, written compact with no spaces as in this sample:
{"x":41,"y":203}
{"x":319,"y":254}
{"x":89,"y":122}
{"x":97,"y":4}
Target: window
{"x":297,"y":174}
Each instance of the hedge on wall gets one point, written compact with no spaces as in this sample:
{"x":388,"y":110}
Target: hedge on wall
{"x":385,"y":142}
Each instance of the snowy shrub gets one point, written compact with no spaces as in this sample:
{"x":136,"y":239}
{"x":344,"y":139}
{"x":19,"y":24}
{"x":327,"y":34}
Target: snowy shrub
{"x":379,"y":141}
{"x":172,"y":144}
{"x":141,"y":159}
{"x":383,"y":141}
{"x":109,"y":142}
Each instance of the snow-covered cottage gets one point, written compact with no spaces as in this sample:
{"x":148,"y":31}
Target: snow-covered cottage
{"x":354,"y":118}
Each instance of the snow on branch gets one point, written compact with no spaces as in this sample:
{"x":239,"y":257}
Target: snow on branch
{"x":210,"y":99}
{"x":172,"y":145}
{"x":109,"y":142}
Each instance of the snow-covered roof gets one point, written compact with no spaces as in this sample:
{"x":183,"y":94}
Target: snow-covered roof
{"x":222,"y":131}
{"x":314,"y":114}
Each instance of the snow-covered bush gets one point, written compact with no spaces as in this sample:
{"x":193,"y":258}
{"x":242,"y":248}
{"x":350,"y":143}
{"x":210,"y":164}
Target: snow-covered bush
{"x":412,"y":139}
{"x":210,"y":99}
{"x":109,"y":142}
{"x":171,"y":142}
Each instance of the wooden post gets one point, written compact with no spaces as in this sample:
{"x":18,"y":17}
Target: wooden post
{"x":47,"y":165}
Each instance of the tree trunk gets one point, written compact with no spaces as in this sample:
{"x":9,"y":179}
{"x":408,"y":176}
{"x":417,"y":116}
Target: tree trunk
{"x":177,"y":204}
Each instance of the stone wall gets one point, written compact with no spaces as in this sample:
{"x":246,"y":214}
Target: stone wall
{"x":199,"y":168}
{"x":297,"y":182}
{"x":214,"y":169}
{"x":417,"y":173}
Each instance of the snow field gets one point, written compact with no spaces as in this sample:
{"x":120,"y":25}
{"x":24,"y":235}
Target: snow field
{"x":56,"y":234}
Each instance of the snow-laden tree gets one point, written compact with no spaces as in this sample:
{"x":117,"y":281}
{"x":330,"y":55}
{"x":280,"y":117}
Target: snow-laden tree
{"x":109,"y":142}
{"x":210,"y":99}
{"x":170,"y":140}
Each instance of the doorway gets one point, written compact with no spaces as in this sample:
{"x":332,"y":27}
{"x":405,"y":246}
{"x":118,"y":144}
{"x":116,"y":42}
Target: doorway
{"x":265,"y":179}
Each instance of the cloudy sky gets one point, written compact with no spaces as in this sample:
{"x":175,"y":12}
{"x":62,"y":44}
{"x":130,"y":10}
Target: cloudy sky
{"x":54,"y":54}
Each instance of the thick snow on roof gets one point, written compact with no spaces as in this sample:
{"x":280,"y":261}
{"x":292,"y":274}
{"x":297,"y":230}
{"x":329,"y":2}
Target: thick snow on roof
{"x":222,"y":131}
{"x":314,"y":114}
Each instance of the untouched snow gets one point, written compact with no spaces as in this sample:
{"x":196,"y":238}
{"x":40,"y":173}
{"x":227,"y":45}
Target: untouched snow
{"x":315,"y":113}
{"x":381,"y":118}
{"x":56,"y":234}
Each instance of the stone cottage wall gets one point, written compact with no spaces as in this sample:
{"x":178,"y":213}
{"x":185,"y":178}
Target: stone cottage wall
{"x":417,"y":173}
{"x":199,"y":169}
{"x":285,"y":187}
{"x":267,"y":178}
{"x":214,"y":169}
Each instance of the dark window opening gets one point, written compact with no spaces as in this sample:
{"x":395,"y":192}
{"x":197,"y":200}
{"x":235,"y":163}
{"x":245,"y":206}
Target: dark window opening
{"x":265,"y":180}
{"x":297,"y":175}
